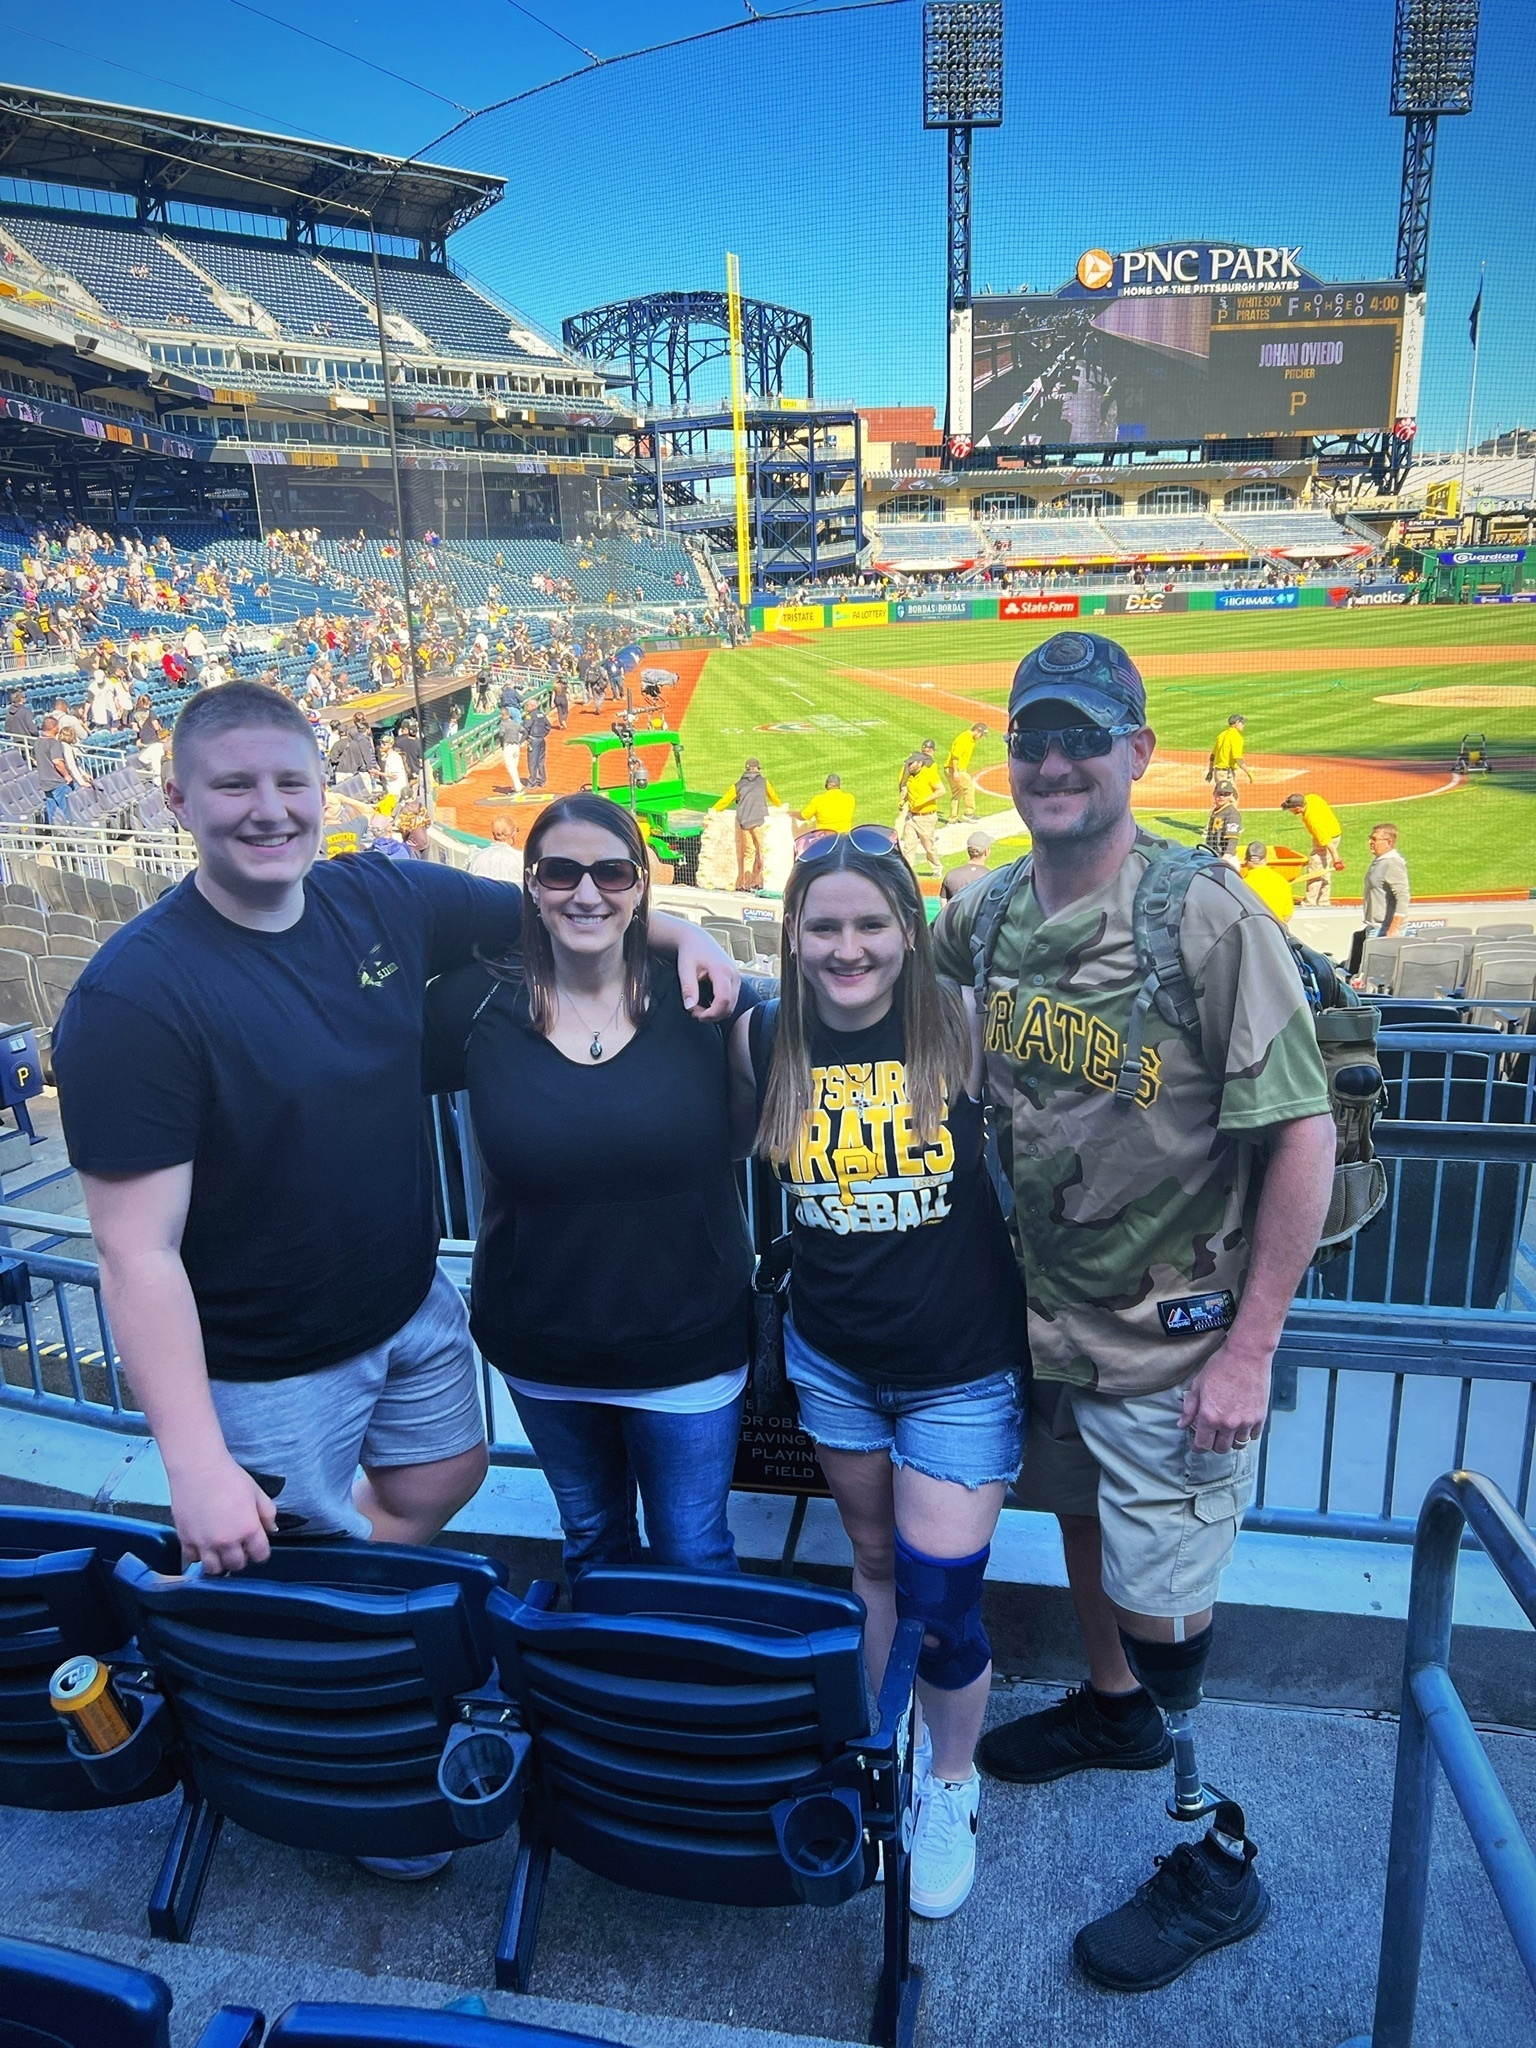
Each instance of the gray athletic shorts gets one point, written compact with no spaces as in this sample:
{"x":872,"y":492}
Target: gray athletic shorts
{"x":412,"y":1400}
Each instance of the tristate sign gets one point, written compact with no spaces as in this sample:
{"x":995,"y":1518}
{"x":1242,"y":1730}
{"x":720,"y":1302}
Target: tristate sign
{"x":1186,"y":266}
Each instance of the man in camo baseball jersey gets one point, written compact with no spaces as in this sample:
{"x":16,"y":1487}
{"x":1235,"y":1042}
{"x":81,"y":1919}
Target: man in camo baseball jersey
{"x":1161,"y":1238}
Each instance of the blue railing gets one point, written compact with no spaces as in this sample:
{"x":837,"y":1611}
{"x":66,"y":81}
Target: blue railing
{"x":1380,"y":1385}
{"x":1435,"y":1734}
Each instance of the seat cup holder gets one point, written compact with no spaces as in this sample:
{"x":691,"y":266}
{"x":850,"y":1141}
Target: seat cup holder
{"x":821,"y":1839}
{"x":480,"y":1775}
{"x":130,"y":1765}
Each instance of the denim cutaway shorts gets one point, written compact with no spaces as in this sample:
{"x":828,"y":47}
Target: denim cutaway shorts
{"x":972,"y":1434}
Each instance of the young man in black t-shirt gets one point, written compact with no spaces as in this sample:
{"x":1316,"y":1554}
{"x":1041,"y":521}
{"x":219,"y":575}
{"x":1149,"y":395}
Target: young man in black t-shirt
{"x":240,"y":1080}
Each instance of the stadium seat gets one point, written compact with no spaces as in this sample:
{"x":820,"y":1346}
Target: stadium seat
{"x":24,"y":918}
{"x":1428,"y":967}
{"x":338,"y":1697}
{"x":66,"y":925}
{"x":712,"y":1738}
{"x":734,"y":936}
{"x":396,"y":2026}
{"x":23,"y":938}
{"x":1505,"y":931}
{"x":60,"y":1998}
{"x":57,"y":974}
{"x":56,"y":1603}
{"x":21,"y":999}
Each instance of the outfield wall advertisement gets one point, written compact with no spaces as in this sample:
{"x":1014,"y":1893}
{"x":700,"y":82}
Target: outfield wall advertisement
{"x":920,"y":611}
{"x":1199,"y":341}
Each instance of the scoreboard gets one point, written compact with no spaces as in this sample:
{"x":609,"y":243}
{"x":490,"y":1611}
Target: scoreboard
{"x":1323,"y":361}
{"x":1202,"y":342}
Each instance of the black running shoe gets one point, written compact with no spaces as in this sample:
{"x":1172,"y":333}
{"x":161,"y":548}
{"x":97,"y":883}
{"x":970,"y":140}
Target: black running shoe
{"x":1199,"y":1899}
{"x":1074,"y":1736}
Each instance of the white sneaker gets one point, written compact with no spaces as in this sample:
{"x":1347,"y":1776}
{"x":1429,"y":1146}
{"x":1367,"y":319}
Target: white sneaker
{"x":944,"y":1847}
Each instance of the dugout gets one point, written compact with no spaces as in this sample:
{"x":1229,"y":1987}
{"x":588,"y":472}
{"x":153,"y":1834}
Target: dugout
{"x":1467,"y":575}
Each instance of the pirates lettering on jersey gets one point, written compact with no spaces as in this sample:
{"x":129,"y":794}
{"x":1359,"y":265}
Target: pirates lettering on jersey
{"x":859,"y":1166}
{"x":1060,"y":1035}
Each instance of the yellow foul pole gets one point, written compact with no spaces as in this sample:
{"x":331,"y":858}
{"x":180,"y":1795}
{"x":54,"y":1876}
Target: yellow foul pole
{"x":739,"y":435}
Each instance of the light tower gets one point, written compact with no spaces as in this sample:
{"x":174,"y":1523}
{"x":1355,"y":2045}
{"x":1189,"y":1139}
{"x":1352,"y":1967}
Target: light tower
{"x":962,"y":90}
{"x":1434,"y":60}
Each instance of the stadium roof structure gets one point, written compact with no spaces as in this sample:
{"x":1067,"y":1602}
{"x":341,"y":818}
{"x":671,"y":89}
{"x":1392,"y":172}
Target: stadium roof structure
{"x":55,"y":138}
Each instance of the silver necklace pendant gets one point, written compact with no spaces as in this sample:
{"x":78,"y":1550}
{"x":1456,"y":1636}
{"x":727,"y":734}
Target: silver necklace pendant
{"x":596,"y":1047}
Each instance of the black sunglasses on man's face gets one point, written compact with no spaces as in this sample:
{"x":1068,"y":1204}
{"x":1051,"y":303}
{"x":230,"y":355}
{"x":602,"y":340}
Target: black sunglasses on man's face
{"x":1077,"y":742}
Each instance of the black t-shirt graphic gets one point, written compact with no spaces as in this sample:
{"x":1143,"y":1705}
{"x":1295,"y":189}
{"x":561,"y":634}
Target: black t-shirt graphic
{"x":613,"y":1251}
{"x":902,"y":1270}
{"x":287,"y":1067}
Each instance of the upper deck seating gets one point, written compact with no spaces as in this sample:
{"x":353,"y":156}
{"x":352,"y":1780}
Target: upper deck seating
{"x":287,"y":284}
{"x":124,"y":269}
{"x":450,"y":313}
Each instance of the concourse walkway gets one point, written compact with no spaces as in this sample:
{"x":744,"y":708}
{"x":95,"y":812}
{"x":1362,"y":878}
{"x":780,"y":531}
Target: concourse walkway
{"x":278,"y":1924}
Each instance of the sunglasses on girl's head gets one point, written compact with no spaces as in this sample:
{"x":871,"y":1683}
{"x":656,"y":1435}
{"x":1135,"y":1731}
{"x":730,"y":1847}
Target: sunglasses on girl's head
{"x":613,"y":877}
{"x":871,"y":839}
{"x":1077,"y":742}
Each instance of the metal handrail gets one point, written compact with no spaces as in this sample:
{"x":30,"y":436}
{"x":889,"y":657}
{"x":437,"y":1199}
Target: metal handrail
{"x":1436,"y":1730}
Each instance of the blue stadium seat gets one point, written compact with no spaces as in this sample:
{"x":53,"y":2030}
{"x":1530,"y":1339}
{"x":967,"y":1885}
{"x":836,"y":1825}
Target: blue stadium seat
{"x":339,"y":1697}
{"x":60,"y":1998}
{"x":396,"y":2026}
{"x":285,"y":283}
{"x":55,"y":1603}
{"x":125,"y":270}
{"x":712,"y":1738}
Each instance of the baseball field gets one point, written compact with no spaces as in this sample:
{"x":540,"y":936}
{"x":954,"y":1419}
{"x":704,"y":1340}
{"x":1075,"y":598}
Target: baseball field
{"x":1367,"y":707}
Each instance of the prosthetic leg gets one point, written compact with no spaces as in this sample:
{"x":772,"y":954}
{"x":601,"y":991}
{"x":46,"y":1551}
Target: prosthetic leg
{"x":1172,"y":1674}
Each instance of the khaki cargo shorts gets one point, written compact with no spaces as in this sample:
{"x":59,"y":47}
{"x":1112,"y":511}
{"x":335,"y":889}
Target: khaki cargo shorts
{"x":1169,"y":1513}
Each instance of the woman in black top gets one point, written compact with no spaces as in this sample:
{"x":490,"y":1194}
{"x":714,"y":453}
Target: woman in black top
{"x":613,"y":1263}
{"x":905,"y":1340}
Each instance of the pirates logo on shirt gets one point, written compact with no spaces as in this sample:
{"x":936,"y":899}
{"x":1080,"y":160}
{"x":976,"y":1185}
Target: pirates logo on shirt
{"x":375,"y":970}
{"x":859,"y":1166}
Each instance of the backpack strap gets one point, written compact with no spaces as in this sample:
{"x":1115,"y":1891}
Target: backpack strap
{"x":989,"y":922}
{"x":1156,"y":914}
{"x":762,"y":1027}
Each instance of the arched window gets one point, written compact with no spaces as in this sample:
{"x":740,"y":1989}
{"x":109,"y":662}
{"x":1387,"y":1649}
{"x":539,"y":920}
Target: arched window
{"x":1089,"y":504}
{"x":1174,"y":498}
{"x":910,"y":508}
{"x":1259,"y":498}
{"x":1003,"y":505}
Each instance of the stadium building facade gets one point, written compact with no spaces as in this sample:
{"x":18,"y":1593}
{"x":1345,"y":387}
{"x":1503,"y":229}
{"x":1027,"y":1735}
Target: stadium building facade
{"x":190,"y":330}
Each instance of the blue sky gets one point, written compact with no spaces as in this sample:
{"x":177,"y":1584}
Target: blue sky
{"x":798,"y":144}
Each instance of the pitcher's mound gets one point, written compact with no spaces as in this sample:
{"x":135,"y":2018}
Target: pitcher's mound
{"x":1469,"y":696}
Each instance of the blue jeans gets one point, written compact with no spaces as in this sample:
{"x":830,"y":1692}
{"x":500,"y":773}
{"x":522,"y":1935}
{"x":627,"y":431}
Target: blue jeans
{"x":594,"y":1457}
{"x":971,"y":1435}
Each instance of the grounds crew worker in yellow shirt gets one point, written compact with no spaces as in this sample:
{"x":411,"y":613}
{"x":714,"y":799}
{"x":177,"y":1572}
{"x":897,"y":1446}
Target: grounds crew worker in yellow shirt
{"x":1267,"y":883}
{"x":921,"y":797}
{"x":831,"y":809}
{"x":957,"y":772}
{"x":1227,"y":752}
{"x":1317,"y":814}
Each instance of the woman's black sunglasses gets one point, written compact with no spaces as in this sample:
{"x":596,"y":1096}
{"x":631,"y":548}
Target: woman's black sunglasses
{"x":614,"y":877}
{"x":877,"y":840}
{"x":1077,"y":742}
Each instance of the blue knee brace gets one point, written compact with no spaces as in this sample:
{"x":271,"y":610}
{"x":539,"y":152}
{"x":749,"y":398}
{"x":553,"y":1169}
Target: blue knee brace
{"x":944,"y":1594}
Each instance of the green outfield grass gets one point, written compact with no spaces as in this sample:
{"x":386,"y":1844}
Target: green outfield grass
{"x":796,"y":708}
